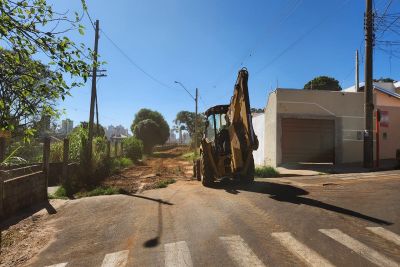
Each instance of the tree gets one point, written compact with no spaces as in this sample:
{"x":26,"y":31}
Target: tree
{"x":323,"y":83}
{"x":385,"y":80}
{"x":29,"y":87}
{"x":150,"y":133}
{"x":185,"y":120}
{"x":98,"y":130}
{"x":145,"y":114}
{"x":256,"y":110}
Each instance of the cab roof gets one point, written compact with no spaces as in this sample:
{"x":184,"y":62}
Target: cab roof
{"x":219,"y":109}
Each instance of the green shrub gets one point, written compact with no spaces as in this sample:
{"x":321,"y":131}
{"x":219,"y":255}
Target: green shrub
{"x":164,"y":183}
{"x":60,"y":193}
{"x":266,"y":172}
{"x":133,"y":148}
{"x":99,"y":191}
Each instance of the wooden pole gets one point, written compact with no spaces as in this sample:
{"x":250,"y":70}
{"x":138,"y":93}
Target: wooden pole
{"x":377,"y":136}
{"x":2,"y":149}
{"x":65,"y":163}
{"x":93,"y":95}
{"x":46,"y":163}
{"x":368,"y":89}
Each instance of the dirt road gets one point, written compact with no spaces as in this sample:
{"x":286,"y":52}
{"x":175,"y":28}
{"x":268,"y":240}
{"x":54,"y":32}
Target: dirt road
{"x":309,"y":221}
{"x":161,"y":166}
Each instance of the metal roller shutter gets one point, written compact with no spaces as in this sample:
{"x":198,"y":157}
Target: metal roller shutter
{"x":308,"y":140}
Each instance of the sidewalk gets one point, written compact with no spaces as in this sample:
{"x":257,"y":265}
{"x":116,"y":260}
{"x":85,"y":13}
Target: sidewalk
{"x":310,"y":169}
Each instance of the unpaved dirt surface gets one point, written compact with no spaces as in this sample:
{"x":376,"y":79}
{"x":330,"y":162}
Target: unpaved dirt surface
{"x":161,"y":166}
{"x":25,"y":236}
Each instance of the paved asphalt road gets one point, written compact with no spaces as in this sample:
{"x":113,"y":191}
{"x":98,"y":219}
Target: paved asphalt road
{"x":341,"y":220}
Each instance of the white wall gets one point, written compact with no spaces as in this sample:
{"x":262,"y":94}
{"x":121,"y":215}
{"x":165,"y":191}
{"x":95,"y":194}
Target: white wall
{"x":259,"y":129}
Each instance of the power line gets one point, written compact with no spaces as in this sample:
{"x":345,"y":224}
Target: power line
{"x":260,"y":40}
{"x":298,"y":40}
{"x":134,"y":63}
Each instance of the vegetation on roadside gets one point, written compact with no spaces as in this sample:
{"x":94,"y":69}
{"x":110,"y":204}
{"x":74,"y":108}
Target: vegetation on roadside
{"x":164,"y":183}
{"x":266,"y":172}
{"x":30,"y":88}
{"x":190,"y":156}
{"x":133,"y":148}
{"x":61,"y":192}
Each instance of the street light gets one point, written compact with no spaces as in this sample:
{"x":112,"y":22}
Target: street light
{"x":195,"y":118}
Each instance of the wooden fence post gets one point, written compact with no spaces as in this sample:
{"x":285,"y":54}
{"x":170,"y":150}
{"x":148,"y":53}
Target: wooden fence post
{"x":122,"y":149}
{"x":108,"y":149}
{"x":46,"y":163}
{"x":2,"y":149}
{"x":116,"y":148}
{"x":65,"y":162}
{"x":2,"y":178}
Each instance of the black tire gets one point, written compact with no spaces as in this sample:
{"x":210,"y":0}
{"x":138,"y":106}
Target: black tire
{"x":249,"y":177}
{"x":207,"y":175}
{"x":197,"y":169}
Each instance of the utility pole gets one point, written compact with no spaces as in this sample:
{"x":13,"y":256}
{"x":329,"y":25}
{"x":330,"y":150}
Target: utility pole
{"x":357,"y":73}
{"x":94,"y":93}
{"x":195,"y":122}
{"x":368,"y":89}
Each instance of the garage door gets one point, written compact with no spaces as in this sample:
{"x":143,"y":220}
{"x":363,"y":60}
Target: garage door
{"x":308,"y":140}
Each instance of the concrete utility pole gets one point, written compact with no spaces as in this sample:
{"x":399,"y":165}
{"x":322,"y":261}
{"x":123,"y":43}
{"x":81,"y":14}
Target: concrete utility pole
{"x":93,"y":96}
{"x":357,"y":73}
{"x":195,"y":122}
{"x":368,"y":89}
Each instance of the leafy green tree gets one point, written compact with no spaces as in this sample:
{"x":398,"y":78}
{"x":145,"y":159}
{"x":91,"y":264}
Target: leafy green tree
{"x":98,"y":130}
{"x":384,"y":80}
{"x":323,"y":83}
{"x":145,"y":114}
{"x":150,"y":133}
{"x":29,"y":87}
{"x":185,"y":120}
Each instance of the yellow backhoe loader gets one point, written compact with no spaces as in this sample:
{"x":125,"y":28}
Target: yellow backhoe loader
{"x":229,"y":140}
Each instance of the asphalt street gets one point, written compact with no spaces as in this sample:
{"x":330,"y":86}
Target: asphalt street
{"x":338,"y":220}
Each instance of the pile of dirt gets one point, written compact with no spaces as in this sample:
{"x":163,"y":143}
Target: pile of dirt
{"x":157,"y":168}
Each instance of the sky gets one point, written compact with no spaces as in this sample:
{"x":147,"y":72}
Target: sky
{"x":204,"y":43}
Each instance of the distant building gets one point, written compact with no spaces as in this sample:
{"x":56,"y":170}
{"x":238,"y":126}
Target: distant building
{"x":172,"y":137}
{"x":66,"y":126}
{"x":116,"y":131}
{"x":186,"y":138}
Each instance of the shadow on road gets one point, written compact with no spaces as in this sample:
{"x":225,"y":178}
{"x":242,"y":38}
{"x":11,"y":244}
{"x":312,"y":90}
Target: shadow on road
{"x":25,"y":213}
{"x":153,"y":242}
{"x":292,"y":194}
{"x":160,"y":201}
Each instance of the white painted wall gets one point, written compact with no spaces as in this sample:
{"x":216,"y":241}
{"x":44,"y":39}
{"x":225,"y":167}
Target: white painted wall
{"x":259,"y":129}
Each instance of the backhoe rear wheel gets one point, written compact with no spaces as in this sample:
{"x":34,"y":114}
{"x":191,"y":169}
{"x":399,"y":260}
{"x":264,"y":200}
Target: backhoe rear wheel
{"x":207,"y":175}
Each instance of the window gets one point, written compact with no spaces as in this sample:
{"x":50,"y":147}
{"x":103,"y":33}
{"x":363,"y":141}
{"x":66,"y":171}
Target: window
{"x":210,"y":128}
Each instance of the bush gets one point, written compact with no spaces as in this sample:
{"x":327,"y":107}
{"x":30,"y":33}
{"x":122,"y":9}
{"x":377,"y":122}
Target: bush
{"x":118,"y":164}
{"x":164,"y":183}
{"x":133,"y":148}
{"x":266,"y":172}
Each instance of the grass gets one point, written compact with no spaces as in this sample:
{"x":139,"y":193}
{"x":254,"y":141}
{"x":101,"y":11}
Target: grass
{"x":190,"y":156}
{"x":61,"y":193}
{"x":164,"y":183}
{"x":97,"y":191}
{"x":120,"y":163}
{"x":266,"y":172}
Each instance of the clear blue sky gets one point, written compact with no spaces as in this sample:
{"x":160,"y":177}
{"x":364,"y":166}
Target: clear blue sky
{"x":202,"y":43}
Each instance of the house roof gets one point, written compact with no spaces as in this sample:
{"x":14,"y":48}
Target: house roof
{"x":376,"y":87}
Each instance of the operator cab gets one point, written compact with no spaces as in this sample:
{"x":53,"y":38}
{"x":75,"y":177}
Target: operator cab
{"x":216,"y":131}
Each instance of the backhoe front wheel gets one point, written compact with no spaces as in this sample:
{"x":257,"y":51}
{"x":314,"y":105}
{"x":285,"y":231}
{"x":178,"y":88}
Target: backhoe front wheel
{"x":207,"y":175}
{"x":249,"y":176}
